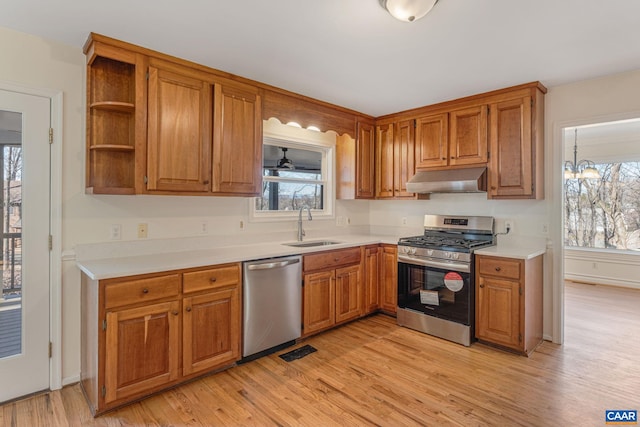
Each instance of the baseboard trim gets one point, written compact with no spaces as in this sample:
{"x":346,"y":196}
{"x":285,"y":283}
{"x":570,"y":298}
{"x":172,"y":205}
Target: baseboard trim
{"x":70,"y":380}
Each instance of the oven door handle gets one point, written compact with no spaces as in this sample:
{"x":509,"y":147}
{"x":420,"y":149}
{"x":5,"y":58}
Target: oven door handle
{"x":430,"y":262}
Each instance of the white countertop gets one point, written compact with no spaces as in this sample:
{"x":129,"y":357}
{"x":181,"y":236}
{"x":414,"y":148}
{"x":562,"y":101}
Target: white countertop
{"x":107,"y":268}
{"x":509,"y":251}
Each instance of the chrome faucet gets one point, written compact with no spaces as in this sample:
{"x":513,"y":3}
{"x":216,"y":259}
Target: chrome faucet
{"x":300,"y":230}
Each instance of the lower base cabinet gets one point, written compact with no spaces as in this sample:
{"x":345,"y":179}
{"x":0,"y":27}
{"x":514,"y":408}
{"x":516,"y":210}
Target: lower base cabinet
{"x":389,"y":279}
{"x":509,"y":302}
{"x":141,"y":349}
{"x":142,"y":334}
{"x":371,"y":279}
{"x":333,"y":289}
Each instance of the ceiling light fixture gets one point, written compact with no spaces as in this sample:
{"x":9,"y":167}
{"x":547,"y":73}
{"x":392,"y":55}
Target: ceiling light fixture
{"x":285,"y":163}
{"x":583,"y":169}
{"x":408,"y":10}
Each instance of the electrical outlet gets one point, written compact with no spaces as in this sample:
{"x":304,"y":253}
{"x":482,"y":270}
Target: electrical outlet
{"x":404,"y":220}
{"x":545,"y":229}
{"x":115,"y":232}
{"x":340,"y":221}
{"x":348,"y":221}
{"x":241,"y":225}
{"x":508,"y":225}
{"x":142,"y":230}
{"x":204,"y":227}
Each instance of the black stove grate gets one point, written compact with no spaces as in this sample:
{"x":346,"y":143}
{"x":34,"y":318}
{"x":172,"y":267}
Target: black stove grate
{"x":445,"y":242}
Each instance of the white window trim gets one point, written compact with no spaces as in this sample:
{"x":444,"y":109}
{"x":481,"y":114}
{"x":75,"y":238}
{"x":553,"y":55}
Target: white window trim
{"x":275,"y":133}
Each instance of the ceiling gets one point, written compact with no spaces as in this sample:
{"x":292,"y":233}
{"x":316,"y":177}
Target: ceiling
{"x":352,"y":52}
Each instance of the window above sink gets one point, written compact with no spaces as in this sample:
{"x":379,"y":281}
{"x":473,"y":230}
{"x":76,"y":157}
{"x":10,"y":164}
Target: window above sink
{"x":298,"y":170}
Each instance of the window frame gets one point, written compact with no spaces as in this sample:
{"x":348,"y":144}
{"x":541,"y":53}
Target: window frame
{"x":568,"y":211}
{"x":281,"y":135}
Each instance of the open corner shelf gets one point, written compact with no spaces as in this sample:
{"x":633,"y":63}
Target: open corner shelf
{"x":124,"y":107}
{"x":112,"y":147}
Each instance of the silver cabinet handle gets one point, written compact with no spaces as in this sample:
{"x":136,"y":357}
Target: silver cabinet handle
{"x":270,"y":265}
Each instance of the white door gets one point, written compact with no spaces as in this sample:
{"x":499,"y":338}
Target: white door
{"x":24,"y":199}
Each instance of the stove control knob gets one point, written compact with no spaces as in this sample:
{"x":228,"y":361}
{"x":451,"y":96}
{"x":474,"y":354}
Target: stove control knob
{"x":454,"y":255}
{"x":447,"y":254}
{"x":430,"y":252}
{"x":404,"y":249}
{"x":412,"y":251}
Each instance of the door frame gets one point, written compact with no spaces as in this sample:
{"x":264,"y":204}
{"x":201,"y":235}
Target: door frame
{"x":55,"y":224}
{"x":555,"y":169}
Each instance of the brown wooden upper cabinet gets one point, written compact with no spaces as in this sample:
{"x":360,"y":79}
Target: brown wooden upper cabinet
{"x":394,"y":159}
{"x":365,"y":161}
{"x":516,"y":166}
{"x":355,"y":163}
{"x":160,"y":125}
{"x":468,"y":136}
{"x":178,"y":129}
{"x":237,"y":139}
{"x":203,"y":136}
{"x":500,"y":130}
{"x":452,"y":139}
{"x":432,"y":141}
{"x":157,"y":124}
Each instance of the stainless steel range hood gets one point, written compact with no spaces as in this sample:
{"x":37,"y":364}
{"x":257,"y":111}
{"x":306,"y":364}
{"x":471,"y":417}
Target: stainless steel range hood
{"x":468,"y":180}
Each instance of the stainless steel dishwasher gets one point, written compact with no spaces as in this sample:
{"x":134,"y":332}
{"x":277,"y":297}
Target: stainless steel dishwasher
{"x":272,"y":296}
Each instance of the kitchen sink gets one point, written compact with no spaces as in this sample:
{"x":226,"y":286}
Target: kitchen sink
{"x":312,"y":243}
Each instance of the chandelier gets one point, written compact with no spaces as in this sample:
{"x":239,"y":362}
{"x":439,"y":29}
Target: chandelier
{"x":408,"y":10}
{"x":583,"y":169}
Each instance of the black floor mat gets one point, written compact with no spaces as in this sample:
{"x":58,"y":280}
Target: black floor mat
{"x":297,"y":353}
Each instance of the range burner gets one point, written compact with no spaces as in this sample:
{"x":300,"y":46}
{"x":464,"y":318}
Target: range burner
{"x":440,"y":242}
{"x":448,"y":237}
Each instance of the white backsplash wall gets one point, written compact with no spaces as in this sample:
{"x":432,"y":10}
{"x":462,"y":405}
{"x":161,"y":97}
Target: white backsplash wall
{"x":183,"y":216}
{"x":529,"y":216}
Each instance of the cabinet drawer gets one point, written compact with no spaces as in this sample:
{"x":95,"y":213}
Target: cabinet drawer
{"x":500,"y":267}
{"x":211,"y":278}
{"x":134,"y":291}
{"x":331,"y":259}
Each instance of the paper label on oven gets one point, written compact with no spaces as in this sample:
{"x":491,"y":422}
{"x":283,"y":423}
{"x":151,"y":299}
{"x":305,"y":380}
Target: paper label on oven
{"x":453,"y":281}
{"x":429,"y":297}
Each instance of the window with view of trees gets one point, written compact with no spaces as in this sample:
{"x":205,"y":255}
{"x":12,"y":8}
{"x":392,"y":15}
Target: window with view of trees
{"x":293,"y":177}
{"x":604,"y":212}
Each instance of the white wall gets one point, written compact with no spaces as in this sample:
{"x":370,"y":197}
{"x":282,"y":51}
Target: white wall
{"x":603,"y":267}
{"x":32,"y":61}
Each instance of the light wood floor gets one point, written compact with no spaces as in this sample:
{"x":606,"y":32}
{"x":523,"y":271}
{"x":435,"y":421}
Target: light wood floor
{"x":372,"y":372}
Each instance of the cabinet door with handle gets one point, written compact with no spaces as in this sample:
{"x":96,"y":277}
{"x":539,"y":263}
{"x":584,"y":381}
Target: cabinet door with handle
{"x":319,"y":301}
{"x":211,"y":330}
{"x":468,"y":136}
{"x":141,"y":349}
{"x":404,"y":157}
{"x":179,"y":130}
{"x":498,"y":311}
{"x":237,"y":140}
{"x":348,"y":293}
{"x":432,"y":141}
{"x":384,"y":161}
{"x":365,"y":161}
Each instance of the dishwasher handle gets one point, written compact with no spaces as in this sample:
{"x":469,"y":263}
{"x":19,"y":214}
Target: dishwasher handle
{"x":273,"y":264}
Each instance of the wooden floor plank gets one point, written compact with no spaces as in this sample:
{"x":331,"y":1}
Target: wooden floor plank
{"x":372,"y":372}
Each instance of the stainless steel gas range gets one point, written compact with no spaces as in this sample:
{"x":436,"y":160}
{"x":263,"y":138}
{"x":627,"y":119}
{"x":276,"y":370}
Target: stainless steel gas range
{"x":436,"y":290}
